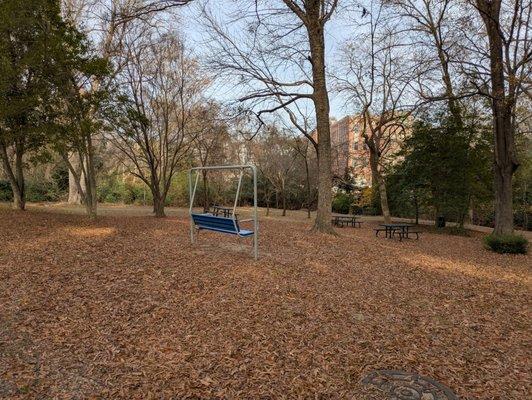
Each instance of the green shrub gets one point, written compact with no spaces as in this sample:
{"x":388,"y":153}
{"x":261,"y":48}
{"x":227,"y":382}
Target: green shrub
{"x":6,"y":194}
{"x":41,"y":190}
{"x":342,"y":203}
{"x":512,"y":244}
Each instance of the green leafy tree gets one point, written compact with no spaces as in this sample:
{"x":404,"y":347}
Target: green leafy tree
{"x":38,"y":54}
{"x":445,"y":166}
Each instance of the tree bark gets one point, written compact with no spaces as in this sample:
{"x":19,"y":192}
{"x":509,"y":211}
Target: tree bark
{"x":378,"y":180}
{"x":505,"y":158}
{"x":309,"y":191}
{"x":283,"y":194}
{"x":74,"y":196}
{"x":16,"y":177}
{"x":322,"y":109}
{"x":205,"y":192}
{"x":158,"y":206}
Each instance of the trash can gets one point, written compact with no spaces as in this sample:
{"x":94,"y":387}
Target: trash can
{"x":440,"y":222}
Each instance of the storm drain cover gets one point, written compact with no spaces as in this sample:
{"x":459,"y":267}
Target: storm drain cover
{"x":400,"y":385}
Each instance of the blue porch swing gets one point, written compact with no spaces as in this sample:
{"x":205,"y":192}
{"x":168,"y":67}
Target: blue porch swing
{"x":231,"y":224}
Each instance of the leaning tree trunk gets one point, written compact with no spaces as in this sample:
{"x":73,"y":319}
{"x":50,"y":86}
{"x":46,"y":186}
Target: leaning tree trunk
{"x":74,"y":195}
{"x":322,"y":108}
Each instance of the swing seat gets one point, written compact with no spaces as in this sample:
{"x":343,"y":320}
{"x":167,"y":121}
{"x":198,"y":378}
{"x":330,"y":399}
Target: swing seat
{"x":219,"y":224}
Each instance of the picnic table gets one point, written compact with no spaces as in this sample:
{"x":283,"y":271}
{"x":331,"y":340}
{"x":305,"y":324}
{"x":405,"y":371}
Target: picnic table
{"x":224,"y":211}
{"x":341,"y":219}
{"x":402,"y":229}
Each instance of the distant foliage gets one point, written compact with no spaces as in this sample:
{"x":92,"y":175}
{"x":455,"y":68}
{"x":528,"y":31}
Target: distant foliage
{"x":511,"y":244}
{"x":6,"y":194}
{"x":342,"y":203}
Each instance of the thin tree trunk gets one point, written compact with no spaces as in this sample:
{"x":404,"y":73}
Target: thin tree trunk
{"x":91,"y":197}
{"x":309,"y":191}
{"x":283,"y":194}
{"x":205,"y":192}
{"x":321,"y":104}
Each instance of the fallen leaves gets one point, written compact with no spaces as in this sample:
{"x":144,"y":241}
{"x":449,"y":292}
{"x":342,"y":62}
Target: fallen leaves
{"x":126,"y":307}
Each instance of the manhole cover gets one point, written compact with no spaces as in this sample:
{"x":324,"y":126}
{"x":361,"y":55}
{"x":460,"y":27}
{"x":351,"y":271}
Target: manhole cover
{"x":400,"y":385}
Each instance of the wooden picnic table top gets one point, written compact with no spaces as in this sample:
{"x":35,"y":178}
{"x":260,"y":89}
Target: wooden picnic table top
{"x":398,"y":225}
{"x":345,"y":216}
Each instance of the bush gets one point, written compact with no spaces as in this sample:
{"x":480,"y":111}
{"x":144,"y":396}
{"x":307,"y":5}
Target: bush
{"x":512,"y":244}
{"x":342,"y":203}
{"x":6,"y":194}
{"x":41,"y":190}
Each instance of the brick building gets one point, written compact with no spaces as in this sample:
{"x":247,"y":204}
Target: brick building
{"x":349,"y":153}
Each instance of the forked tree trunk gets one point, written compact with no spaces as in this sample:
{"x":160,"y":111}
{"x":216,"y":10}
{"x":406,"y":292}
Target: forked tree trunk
{"x":322,"y":108}
{"x":283,"y":194}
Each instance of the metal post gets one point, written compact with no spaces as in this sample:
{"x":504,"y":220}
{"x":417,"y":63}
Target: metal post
{"x":255,"y":215}
{"x":192,"y":193}
{"x":192,"y":197}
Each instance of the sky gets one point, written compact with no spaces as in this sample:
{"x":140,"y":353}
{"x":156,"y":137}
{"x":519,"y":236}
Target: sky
{"x":338,"y":30}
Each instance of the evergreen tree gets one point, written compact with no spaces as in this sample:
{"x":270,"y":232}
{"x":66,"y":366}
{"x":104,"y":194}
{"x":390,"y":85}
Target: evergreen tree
{"x":38,"y":54}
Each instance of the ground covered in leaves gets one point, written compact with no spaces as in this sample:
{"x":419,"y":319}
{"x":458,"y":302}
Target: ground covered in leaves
{"x":125,"y":307}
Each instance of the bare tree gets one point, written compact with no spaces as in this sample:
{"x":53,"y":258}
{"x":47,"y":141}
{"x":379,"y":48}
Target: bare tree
{"x":154,"y":131}
{"x":377,"y":77}
{"x":106,"y":22}
{"x":501,"y":72}
{"x":435,"y":41}
{"x":212,"y":134}
{"x":281,"y":61}
{"x":275,"y":156}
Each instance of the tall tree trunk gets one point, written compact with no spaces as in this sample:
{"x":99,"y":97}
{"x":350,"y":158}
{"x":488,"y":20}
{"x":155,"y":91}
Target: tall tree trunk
{"x":378,"y":180}
{"x":505,"y":158}
{"x":16,"y":177}
{"x":322,"y":108}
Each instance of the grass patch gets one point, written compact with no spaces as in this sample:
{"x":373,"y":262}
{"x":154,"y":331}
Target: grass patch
{"x":510,"y":244}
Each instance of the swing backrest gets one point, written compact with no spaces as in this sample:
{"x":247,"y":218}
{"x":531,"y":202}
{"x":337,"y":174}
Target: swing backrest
{"x":219,"y":224}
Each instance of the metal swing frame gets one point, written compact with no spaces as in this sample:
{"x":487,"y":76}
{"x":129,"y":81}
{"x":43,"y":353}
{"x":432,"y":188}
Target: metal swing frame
{"x":242,"y":168}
